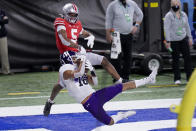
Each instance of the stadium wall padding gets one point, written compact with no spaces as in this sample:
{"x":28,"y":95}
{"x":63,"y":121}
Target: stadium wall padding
{"x":31,"y":39}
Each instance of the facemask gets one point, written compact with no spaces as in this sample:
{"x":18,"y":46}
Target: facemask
{"x":175,"y":8}
{"x":123,"y":2}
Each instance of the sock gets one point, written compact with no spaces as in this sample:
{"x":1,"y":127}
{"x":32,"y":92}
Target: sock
{"x":50,"y":101}
{"x":140,"y":82}
{"x":119,"y":81}
{"x":117,"y":117}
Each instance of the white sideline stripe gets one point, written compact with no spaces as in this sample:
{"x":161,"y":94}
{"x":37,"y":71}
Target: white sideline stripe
{"x":142,"y":126}
{"x":18,"y":98}
{"x":38,"y":129}
{"x":75,"y":108}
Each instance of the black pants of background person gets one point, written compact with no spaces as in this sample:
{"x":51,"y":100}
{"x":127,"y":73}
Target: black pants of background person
{"x":123,"y":63}
{"x":181,"y":47}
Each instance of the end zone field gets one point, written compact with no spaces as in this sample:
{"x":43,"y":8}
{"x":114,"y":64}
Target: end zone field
{"x":22,"y":97}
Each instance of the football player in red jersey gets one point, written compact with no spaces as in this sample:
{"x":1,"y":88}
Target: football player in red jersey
{"x":67,"y":31}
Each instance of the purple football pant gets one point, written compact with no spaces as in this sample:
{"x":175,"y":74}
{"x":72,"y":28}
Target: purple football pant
{"x":95,"y":103}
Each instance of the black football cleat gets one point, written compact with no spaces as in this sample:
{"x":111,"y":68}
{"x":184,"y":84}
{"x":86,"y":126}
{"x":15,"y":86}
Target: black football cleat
{"x":125,"y":80}
{"x":47,"y":108}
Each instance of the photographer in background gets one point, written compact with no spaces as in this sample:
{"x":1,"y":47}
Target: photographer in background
{"x":3,"y":44}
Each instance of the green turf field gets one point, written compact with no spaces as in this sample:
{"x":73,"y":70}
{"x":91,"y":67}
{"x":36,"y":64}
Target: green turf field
{"x":24,"y":89}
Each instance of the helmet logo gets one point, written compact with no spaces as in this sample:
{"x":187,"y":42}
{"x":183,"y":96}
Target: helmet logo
{"x":66,"y":57}
{"x":75,"y":8}
{"x":70,"y":12}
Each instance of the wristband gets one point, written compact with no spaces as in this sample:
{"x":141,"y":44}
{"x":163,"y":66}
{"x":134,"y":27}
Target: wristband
{"x":93,"y":73}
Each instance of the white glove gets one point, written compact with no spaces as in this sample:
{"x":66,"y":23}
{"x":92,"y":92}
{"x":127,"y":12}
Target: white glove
{"x":90,"y":39}
{"x":88,"y":65}
{"x":82,"y":57}
{"x":82,"y":70}
{"x":74,"y":41}
{"x":82,"y":51}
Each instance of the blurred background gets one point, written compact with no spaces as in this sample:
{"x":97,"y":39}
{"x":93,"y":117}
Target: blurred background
{"x":31,"y":37}
{"x":34,"y":59}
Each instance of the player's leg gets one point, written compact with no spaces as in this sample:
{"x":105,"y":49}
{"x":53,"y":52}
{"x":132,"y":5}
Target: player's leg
{"x":121,"y":115}
{"x":107,"y":93}
{"x":94,"y":106}
{"x":96,"y":59}
{"x":131,"y":85}
{"x":137,"y":83}
{"x":56,"y":89}
{"x":110,"y":69}
{"x":95,"y":103}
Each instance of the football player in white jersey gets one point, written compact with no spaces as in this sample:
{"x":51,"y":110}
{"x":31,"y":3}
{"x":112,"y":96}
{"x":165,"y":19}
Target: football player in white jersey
{"x":73,"y":77}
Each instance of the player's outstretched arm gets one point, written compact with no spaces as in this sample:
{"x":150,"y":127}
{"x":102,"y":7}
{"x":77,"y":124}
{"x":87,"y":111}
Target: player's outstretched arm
{"x":88,"y":36}
{"x":92,"y":79}
{"x":76,"y":73}
{"x":66,"y":41}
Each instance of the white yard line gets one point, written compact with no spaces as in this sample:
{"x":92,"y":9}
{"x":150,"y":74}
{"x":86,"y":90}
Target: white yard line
{"x":142,"y":126}
{"x":74,"y":108}
{"x":37,"y":129}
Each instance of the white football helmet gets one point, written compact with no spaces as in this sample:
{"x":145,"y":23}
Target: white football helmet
{"x":71,"y":12}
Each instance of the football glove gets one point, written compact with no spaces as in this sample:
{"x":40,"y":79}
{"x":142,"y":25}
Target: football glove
{"x":90,"y":39}
{"x":82,"y":57}
{"x":88,"y":65}
{"x":82,"y":51}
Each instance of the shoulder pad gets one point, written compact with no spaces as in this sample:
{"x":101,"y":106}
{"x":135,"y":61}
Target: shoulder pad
{"x":59,"y":21}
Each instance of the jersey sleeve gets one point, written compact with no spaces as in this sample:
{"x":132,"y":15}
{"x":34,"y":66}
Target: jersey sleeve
{"x":66,"y":67}
{"x":59,"y":21}
{"x":60,"y":27}
{"x":81,"y":31}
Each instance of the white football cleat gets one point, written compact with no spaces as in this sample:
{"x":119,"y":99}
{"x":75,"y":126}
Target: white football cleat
{"x":177,"y":82}
{"x":152,"y":77}
{"x":122,"y":115}
{"x":128,"y":114}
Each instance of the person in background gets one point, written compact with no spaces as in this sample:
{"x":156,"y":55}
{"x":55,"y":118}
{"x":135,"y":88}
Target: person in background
{"x":74,"y":76}
{"x":3,"y":44}
{"x":178,"y":37}
{"x":119,"y":17}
